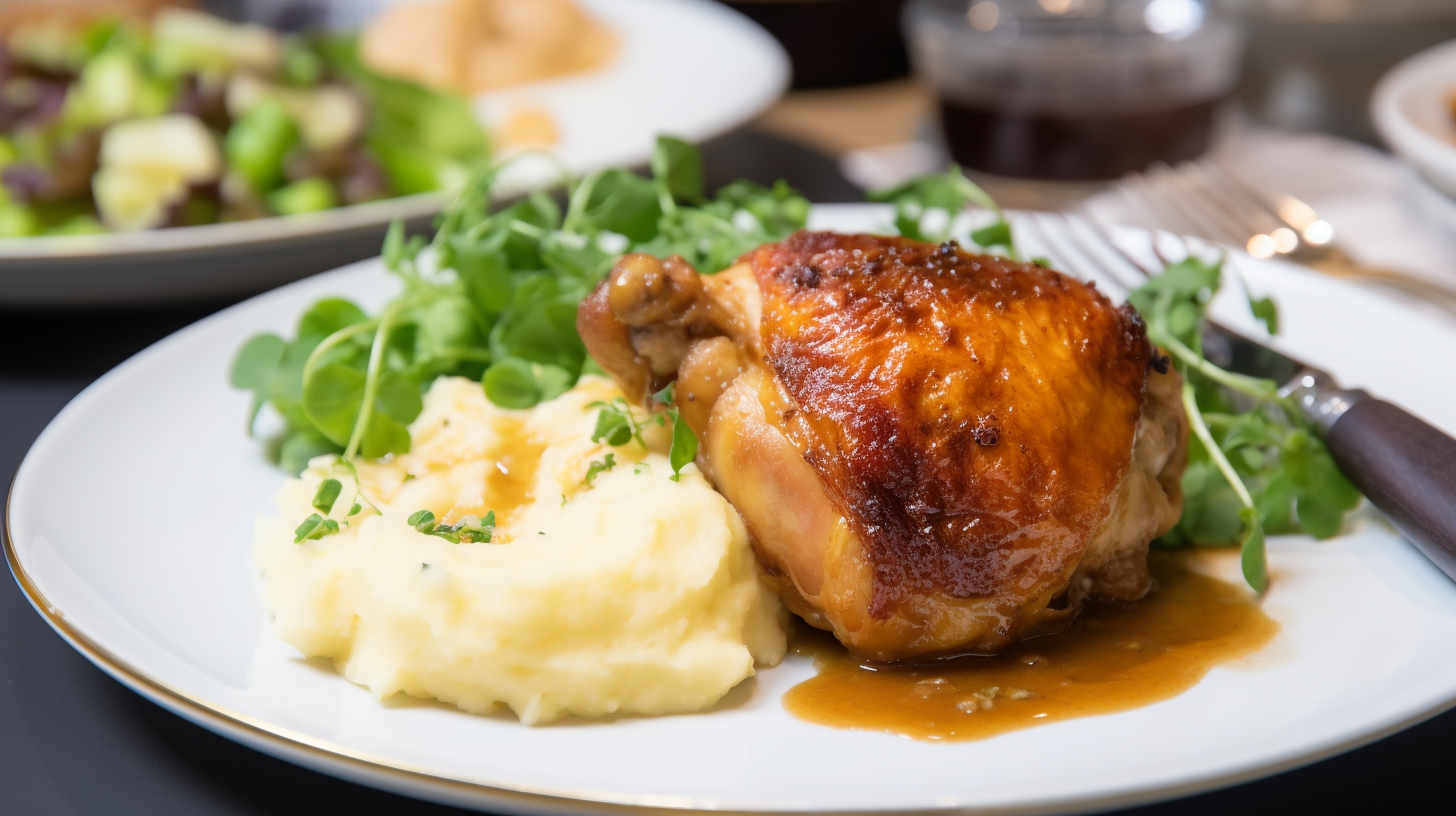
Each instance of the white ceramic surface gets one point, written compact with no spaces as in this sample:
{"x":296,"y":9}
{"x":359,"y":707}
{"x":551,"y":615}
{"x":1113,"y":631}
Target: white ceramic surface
{"x":1412,"y":113}
{"x":131,"y":522}
{"x":688,"y":68}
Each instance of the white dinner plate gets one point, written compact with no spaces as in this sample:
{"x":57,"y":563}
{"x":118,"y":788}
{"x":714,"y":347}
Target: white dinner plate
{"x":689,"y":68}
{"x":131,"y":525}
{"x":1412,"y":112}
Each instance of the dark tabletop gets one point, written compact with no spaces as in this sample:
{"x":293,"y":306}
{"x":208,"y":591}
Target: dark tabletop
{"x":74,"y":741}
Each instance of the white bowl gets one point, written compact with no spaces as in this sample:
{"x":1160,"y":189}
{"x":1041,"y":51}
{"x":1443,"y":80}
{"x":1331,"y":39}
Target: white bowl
{"x":1412,"y":114}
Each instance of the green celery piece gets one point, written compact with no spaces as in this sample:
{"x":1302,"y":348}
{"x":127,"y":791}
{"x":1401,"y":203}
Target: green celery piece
{"x":257,"y":143}
{"x":403,"y":113}
{"x":303,"y":196}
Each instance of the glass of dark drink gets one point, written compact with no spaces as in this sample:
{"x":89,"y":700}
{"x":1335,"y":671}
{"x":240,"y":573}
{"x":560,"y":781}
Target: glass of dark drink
{"x":1074,"y":90}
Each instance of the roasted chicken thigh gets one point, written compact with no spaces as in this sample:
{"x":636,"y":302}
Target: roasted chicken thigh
{"x":935,"y":452}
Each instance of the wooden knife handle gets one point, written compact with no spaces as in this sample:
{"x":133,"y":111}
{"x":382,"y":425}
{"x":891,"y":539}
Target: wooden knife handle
{"x":1406,"y":468}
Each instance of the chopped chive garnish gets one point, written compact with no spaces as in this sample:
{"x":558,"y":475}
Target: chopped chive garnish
{"x":327,"y":493}
{"x":422,"y":520}
{"x":303,"y":530}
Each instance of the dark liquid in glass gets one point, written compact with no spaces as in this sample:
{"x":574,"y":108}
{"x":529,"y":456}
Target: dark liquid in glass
{"x":1074,"y":147}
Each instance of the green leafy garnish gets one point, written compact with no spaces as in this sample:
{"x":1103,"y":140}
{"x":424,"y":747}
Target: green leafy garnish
{"x":599,"y":467}
{"x":926,"y":207}
{"x":1255,"y":464}
{"x":497,"y":304}
{"x":468,"y":530}
{"x":617,"y":425}
{"x":684,"y":442}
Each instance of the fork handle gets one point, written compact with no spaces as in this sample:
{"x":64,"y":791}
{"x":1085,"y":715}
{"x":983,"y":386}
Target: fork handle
{"x":1406,"y":468}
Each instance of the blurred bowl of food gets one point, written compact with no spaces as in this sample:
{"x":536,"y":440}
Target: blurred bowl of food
{"x":171,"y":155}
{"x":1074,"y":90}
{"x":1413,"y":109}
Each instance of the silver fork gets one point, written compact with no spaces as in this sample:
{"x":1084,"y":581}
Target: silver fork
{"x":1202,"y":198}
{"x":1079,"y":246}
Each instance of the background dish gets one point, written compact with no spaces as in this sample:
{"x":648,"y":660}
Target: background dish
{"x":165,"y":601}
{"x":1412,"y":114}
{"x":724,"y":70}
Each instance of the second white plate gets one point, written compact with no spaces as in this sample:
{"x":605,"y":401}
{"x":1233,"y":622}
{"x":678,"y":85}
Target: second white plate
{"x":687,"y":68}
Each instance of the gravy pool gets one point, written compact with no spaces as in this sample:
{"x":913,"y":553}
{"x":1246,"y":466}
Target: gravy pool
{"x":1112,"y":658}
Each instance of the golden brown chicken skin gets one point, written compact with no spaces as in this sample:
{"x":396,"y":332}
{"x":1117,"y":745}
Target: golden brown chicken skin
{"x":935,"y":451}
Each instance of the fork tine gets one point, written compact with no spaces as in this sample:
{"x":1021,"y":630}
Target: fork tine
{"x":1137,"y":189}
{"x":1240,"y":194}
{"x":1097,"y":240}
{"x":1185,"y":194}
{"x":1201,"y":191}
{"x":1031,"y":239}
{"x":1077,"y":247}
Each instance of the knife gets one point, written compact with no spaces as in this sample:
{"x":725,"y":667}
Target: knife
{"x":1403,"y":465}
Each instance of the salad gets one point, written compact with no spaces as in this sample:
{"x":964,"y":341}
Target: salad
{"x":187,"y":119}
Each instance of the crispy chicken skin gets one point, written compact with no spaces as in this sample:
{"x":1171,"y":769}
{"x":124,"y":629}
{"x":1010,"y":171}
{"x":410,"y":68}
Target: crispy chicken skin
{"x":935,"y":452}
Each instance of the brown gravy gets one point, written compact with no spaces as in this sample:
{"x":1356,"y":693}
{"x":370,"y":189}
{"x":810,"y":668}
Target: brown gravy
{"x":510,"y":478}
{"x":510,"y":481}
{"x":1112,"y":658}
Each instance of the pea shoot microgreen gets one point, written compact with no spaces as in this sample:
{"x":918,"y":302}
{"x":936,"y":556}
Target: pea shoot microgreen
{"x":616,"y":424}
{"x":493,"y":296}
{"x":684,"y":442}
{"x":1255,"y":464}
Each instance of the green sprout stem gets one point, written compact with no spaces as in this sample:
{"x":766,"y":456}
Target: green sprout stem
{"x":1200,"y":430}
{"x":359,"y":486}
{"x":1253,"y":386}
{"x":576,"y":208}
{"x":371,"y":375}
{"x":333,"y":341}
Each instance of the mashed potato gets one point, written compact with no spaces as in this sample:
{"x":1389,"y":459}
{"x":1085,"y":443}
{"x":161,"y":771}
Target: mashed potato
{"x":635,"y":594}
